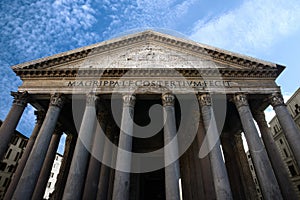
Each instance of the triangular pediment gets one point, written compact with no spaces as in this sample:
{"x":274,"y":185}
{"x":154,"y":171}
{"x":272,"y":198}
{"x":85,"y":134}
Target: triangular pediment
{"x":147,"y":49}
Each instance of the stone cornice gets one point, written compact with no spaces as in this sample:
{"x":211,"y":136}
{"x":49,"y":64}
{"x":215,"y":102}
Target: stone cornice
{"x":186,"y":72}
{"x":218,"y":55}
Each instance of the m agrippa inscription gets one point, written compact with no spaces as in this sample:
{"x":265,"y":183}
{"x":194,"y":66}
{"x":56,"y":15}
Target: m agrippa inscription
{"x":149,"y":83}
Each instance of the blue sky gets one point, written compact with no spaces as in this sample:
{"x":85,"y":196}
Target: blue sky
{"x":31,"y":29}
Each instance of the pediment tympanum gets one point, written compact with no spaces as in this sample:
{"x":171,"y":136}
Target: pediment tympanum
{"x":148,"y":56}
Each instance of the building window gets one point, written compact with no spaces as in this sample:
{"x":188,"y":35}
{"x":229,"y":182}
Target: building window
{"x":17,"y":156}
{"x":285,"y":153}
{"x":2,"y":166}
{"x":8,"y":154}
{"x":255,"y":180}
{"x":10,"y":168}
{"x":52,"y":174}
{"x":281,"y":142}
{"x":258,"y":190}
{"x":49,"y":184}
{"x":297,"y":109}
{"x":292,"y":170}
{"x":23,"y":144}
{"x":251,"y":167}
{"x":5,"y":183}
{"x":14,"y":140}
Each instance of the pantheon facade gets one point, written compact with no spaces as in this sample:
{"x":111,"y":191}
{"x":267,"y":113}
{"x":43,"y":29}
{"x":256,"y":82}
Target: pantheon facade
{"x":150,"y":116}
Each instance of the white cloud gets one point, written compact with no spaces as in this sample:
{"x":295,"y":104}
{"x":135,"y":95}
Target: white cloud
{"x":44,"y":28}
{"x":253,"y":27}
{"x":145,"y":13}
{"x":30,"y":30}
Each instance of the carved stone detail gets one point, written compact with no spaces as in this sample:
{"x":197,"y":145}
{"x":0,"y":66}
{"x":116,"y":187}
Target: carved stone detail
{"x":91,"y":98}
{"x":259,"y":116}
{"x":129,"y":100}
{"x":204,"y":99}
{"x":150,"y":36}
{"x":168,"y":99}
{"x":240,"y":100}
{"x":20,"y":98}
{"x":57,"y":100}
{"x":276,"y":99}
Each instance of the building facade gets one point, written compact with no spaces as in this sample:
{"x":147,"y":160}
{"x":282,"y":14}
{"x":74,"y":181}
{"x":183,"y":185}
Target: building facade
{"x":10,"y":161}
{"x":53,"y":176}
{"x":142,"y":112}
{"x":293,"y":105}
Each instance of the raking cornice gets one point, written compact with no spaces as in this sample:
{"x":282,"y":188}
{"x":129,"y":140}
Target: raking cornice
{"x":218,"y":55}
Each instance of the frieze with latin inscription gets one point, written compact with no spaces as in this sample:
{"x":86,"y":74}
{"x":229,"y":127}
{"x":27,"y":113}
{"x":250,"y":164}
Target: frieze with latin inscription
{"x":149,"y":83}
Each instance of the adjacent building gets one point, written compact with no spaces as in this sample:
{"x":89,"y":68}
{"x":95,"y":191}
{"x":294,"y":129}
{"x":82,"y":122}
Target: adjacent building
{"x":293,"y":105}
{"x":251,"y":166}
{"x":53,"y":176}
{"x":10,"y":160}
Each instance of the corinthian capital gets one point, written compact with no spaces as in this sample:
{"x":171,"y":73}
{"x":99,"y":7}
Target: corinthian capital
{"x":168,"y":99}
{"x":276,"y":99}
{"x":91,"y":98}
{"x":129,"y":100}
{"x":204,"y":99}
{"x":259,"y":116}
{"x":57,"y":100}
{"x":240,"y":100}
{"x":20,"y":98}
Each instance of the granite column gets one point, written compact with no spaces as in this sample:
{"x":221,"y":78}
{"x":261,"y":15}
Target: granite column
{"x":12,"y":119}
{"x":47,"y":166}
{"x":123,"y":163}
{"x":36,"y":158}
{"x":279,"y":166}
{"x":263,"y":168}
{"x":290,"y":129}
{"x":172,"y":171}
{"x":221,"y":181}
{"x":77,"y":172}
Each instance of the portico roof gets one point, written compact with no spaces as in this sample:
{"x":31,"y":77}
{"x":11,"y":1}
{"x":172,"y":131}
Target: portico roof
{"x":149,"y":38}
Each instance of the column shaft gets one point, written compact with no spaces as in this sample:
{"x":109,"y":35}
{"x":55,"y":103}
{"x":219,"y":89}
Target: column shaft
{"x":17,"y":175}
{"x":47,"y":166}
{"x":279,"y":167}
{"x":207,"y":176}
{"x":105,"y":169}
{"x":172,"y":172}
{"x":263,"y":168}
{"x":77,"y":172}
{"x":290,"y":129}
{"x":36,"y":158}
{"x":123,"y":163}
{"x":112,"y":170}
{"x":93,"y":172}
{"x":12,"y":119}
{"x":241,"y":157}
{"x":221,"y":181}
{"x":232,"y":167}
